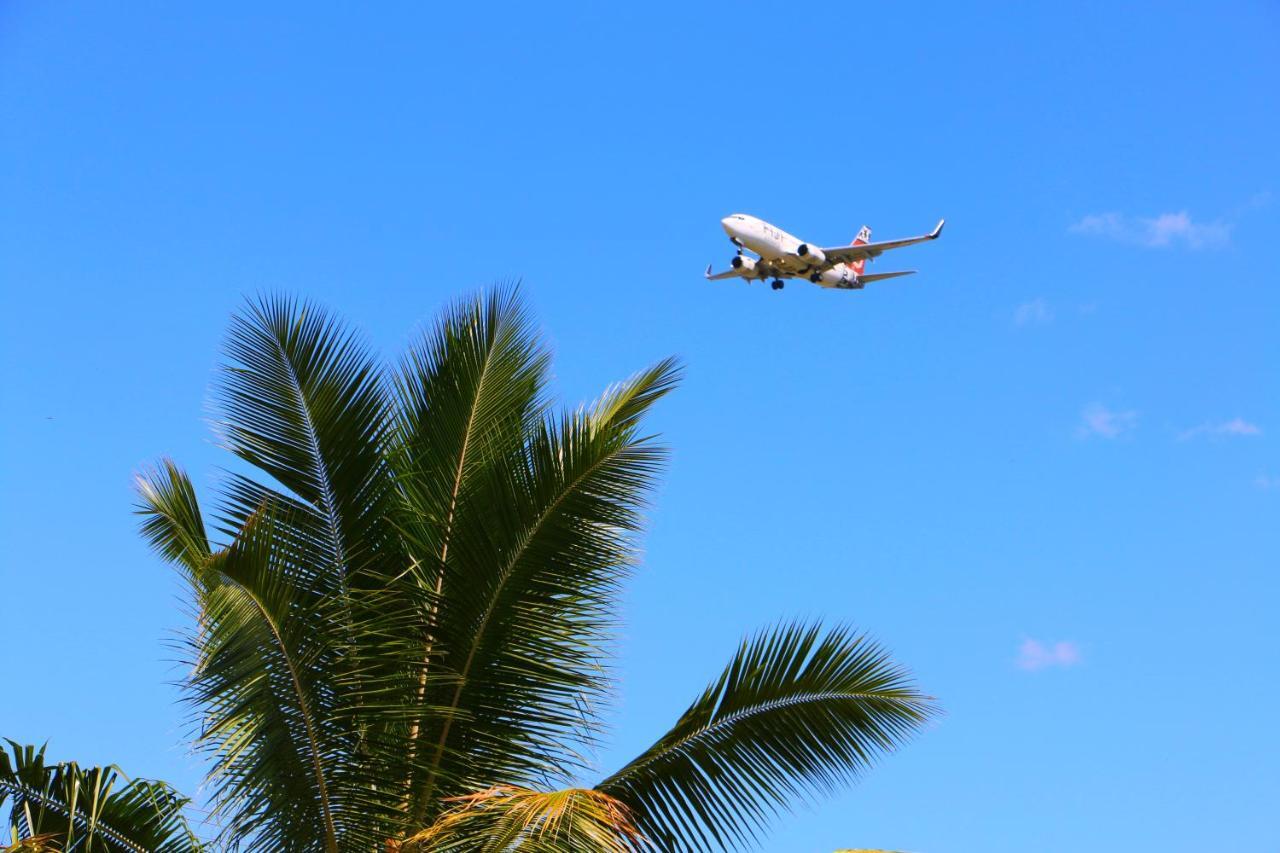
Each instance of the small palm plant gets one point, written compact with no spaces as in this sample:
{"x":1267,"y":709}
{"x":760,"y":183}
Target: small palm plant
{"x":402,"y":622}
{"x":64,"y":807}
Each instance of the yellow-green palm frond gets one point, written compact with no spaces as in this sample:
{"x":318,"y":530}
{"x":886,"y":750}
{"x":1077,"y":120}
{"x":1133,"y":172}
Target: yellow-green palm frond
{"x":508,"y":818}
{"x":46,"y":843}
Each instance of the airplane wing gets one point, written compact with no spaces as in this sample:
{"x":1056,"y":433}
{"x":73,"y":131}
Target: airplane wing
{"x":754,"y":270}
{"x":852,"y":254}
{"x":722,"y":275}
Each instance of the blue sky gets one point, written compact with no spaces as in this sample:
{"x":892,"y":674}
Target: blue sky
{"x":1045,"y":471}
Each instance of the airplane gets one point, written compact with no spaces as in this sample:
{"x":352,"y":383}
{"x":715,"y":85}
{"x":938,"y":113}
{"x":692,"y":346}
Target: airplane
{"x":783,"y":256}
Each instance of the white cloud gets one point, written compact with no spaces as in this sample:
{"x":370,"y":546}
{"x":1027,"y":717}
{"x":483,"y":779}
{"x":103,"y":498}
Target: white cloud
{"x":1260,"y":199}
{"x":1232,"y":428}
{"x":1034,"y":655}
{"x":1167,"y":229}
{"x":1100,"y":225}
{"x":1097,"y":419}
{"x":1033,"y":313}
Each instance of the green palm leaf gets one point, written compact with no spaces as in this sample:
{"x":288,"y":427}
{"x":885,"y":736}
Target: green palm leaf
{"x":266,"y":712}
{"x":467,"y":393}
{"x":527,"y":600}
{"x":172,"y":521}
{"x":304,"y":402}
{"x":91,"y":809}
{"x":795,"y":713}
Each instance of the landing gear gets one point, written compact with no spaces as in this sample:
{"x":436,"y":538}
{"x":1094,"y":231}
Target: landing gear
{"x":777,"y":284}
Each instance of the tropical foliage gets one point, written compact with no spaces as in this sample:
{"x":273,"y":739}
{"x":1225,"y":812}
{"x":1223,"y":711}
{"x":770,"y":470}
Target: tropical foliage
{"x":65,"y":807}
{"x":507,"y":818}
{"x":404,"y":596}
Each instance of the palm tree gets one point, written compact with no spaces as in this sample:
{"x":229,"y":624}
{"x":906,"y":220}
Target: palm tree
{"x":63,"y":807}
{"x":402,"y":622}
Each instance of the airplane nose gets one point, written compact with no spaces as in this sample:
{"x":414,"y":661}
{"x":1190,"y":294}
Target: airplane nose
{"x":727,"y":225}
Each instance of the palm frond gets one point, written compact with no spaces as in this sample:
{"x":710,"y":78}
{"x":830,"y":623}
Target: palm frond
{"x":528,"y":596}
{"x":303,"y":401}
{"x":90,"y":809}
{"x":46,"y":843}
{"x":267,"y":707}
{"x":299,"y":720}
{"x":507,"y":818}
{"x":795,"y":713}
{"x":468,"y":389}
{"x":172,"y":521}
{"x":465,"y":393}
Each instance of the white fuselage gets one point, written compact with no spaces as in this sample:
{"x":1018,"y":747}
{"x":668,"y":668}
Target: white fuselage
{"x":780,"y":254}
{"x":765,"y":240}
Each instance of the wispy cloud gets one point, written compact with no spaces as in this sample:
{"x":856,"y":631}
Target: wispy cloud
{"x":1098,"y":420}
{"x":1034,"y":313}
{"x":1235,"y":427}
{"x":1034,"y":655}
{"x":1167,"y":229}
{"x":1267,"y":481}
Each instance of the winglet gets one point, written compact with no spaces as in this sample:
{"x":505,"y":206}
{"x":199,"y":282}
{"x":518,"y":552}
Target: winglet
{"x":937,"y":231}
{"x":708,"y":272}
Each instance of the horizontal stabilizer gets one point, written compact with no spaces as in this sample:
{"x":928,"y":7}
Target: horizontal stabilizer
{"x":881,"y":276}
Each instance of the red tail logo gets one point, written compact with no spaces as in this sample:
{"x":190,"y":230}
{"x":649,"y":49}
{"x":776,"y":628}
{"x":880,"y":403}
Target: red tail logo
{"x":863,"y":238}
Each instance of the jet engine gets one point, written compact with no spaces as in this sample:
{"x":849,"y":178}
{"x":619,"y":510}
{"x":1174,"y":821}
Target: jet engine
{"x":742,"y":262}
{"x":840,"y":277}
{"x":811,"y":253}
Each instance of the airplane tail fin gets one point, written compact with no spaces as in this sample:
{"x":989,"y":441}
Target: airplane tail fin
{"x":863,"y":238}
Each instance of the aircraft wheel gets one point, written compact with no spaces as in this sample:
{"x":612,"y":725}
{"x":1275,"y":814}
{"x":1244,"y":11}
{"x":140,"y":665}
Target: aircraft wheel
{"x":777,"y":284}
